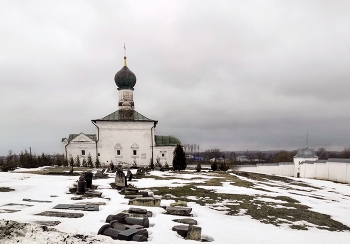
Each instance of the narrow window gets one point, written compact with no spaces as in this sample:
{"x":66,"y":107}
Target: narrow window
{"x":83,"y":152}
{"x":98,"y":154}
{"x":118,"y":152}
{"x":134,"y":152}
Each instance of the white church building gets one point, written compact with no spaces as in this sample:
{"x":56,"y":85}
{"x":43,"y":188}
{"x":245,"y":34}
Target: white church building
{"x":123,"y":136}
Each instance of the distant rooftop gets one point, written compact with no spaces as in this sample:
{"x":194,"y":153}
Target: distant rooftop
{"x":167,"y":141}
{"x":306,"y":152}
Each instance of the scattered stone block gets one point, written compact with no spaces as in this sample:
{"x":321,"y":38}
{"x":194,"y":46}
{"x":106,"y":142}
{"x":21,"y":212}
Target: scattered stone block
{"x":138,"y":215}
{"x":132,"y":196}
{"x":8,"y":210}
{"x":137,"y":210}
{"x":181,"y":211}
{"x":61,"y":214}
{"x":145,"y":201}
{"x":137,"y":221}
{"x":92,"y":193}
{"x":181,"y":230}
{"x":179,"y":204}
{"x":144,"y":193}
{"x":98,"y":174}
{"x":30,"y":200}
{"x":77,"y":198}
{"x":118,"y":226}
{"x":48,"y":223}
{"x":131,"y":190}
{"x":187,"y":221}
{"x":194,"y":233}
{"x":127,"y":235}
{"x":84,"y":207}
{"x":73,"y":189}
{"x":118,"y":217}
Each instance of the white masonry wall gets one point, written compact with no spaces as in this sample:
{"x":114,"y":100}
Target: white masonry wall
{"x":286,"y":168}
{"x":321,"y":170}
{"x":126,"y":137}
{"x":337,"y":171}
{"x":297,"y":162}
{"x":75,"y":148}
{"x":283,"y":168}
{"x":165,"y":154}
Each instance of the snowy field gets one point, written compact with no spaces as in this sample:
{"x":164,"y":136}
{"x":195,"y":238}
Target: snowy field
{"x":324,"y":197}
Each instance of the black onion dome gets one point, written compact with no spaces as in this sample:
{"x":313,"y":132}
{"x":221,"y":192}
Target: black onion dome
{"x":125,"y":78}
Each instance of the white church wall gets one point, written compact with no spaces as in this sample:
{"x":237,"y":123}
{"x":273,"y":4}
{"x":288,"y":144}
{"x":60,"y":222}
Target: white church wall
{"x":81,"y":146}
{"x":125,"y":137}
{"x":165,"y":154}
{"x":82,"y":150}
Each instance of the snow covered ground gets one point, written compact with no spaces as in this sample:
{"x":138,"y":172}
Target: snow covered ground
{"x":327,"y":198}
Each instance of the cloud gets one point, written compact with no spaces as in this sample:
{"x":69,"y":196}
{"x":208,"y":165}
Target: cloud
{"x":230,"y":75}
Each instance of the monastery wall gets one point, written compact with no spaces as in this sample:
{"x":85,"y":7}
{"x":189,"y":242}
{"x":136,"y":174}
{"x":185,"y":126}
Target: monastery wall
{"x":321,"y":170}
{"x":337,"y":171}
{"x":283,"y":168}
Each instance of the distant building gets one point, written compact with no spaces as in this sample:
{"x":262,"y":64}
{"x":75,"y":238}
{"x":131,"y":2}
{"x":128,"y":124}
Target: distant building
{"x":306,"y":165}
{"x":124,"y":135}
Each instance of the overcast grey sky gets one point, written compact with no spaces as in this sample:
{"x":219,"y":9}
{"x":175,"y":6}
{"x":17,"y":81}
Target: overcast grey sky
{"x":234,"y":75}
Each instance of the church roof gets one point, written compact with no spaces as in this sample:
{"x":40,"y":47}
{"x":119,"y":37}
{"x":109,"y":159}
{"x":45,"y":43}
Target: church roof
{"x":72,"y":136}
{"x":166,"y":141}
{"x":306,"y":152}
{"x":125,"y":115}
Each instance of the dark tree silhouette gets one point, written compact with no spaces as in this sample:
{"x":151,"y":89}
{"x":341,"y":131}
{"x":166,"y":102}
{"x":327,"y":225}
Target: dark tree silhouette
{"x":179,"y":159}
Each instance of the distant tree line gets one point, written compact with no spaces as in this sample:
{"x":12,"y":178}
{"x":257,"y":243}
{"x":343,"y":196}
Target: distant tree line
{"x":253,"y":157}
{"x":28,"y":160}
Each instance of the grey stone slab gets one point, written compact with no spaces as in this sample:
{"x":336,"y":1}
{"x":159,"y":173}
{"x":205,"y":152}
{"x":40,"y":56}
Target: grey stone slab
{"x":132,"y":196}
{"x":31,"y":200}
{"x":63,"y":206}
{"x":61,"y":214}
{"x":83,"y":207}
{"x":118,"y":226}
{"x":48,"y":223}
{"x":127,"y":234}
{"x":137,"y":215}
{"x":145,"y":201}
{"x":8,"y":210}
{"x":134,"y":226}
{"x":187,"y":221}
{"x":181,"y":211}
{"x":137,"y":210}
